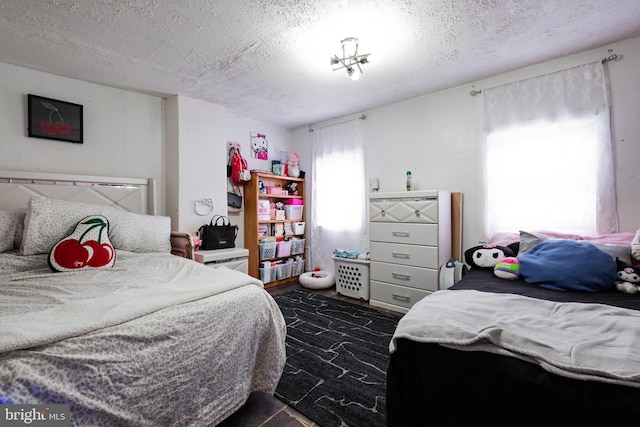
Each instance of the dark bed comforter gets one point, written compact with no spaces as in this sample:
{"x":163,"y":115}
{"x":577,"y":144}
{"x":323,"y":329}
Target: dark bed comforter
{"x":430,"y":384}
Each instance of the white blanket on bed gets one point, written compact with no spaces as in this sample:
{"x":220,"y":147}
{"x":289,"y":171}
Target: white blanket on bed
{"x":63,"y":305}
{"x":576,"y":340}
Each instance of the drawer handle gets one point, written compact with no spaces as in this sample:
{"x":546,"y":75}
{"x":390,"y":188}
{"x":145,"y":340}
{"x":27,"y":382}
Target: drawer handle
{"x":400,"y":255}
{"x":417,"y":212}
{"x":401,"y":276}
{"x":402,"y":298}
{"x":400,"y":233}
{"x":383,"y":212}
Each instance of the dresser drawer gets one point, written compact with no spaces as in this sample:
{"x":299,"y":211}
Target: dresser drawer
{"x":418,"y":256}
{"x":424,"y":211}
{"x":413,"y":234}
{"x":404,"y":275}
{"x":386,"y":295}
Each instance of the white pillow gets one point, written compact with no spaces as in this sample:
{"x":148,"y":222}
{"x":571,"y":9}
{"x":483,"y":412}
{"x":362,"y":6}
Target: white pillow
{"x":11,"y":228}
{"x":635,"y":245}
{"x":48,"y":220}
{"x":529,"y":240}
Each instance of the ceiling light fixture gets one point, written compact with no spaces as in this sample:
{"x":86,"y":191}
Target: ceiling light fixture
{"x":350,"y":58}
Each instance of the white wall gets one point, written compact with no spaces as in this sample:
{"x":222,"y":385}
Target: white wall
{"x":238,"y":130}
{"x":195,"y":135}
{"x":180,"y":142}
{"x":439,"y":136}
{"x":122,"y":130}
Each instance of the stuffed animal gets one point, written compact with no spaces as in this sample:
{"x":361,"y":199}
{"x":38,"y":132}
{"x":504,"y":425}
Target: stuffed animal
{"x":293,"y":169}
{"x":629,"y":276}
{"x":507,"y":268}
{"x":486,"y":257}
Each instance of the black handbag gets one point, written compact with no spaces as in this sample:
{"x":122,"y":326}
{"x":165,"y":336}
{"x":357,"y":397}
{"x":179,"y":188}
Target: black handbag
{"x":218,"y":234}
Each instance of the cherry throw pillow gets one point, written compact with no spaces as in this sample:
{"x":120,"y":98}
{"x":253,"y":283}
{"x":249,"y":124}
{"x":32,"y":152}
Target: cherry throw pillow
{"x":88,"y":246}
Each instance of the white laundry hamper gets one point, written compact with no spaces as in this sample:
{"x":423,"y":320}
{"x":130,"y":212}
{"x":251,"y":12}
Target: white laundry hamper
{"x":352,"y":277}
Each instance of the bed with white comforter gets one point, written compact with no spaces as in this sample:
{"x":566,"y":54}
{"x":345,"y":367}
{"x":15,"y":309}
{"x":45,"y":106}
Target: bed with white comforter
{"x":156,"y":340}
{"x":150,"y":340}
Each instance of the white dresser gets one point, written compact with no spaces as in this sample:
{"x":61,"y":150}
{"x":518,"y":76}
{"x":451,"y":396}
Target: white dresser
{"x":410,"y":235}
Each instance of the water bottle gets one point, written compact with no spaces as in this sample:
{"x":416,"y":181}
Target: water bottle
{"x":409,"y":183}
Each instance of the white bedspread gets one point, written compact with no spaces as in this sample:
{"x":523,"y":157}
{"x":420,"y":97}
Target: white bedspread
{"x":157,"y":341}
{"x":576,"y":340}
{"x":39,"y":307}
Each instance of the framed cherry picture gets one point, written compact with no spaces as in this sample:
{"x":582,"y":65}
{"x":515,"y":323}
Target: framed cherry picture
{"x":54,"y":119}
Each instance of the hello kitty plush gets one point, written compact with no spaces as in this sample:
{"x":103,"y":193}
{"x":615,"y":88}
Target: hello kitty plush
{"x":293,"y":169}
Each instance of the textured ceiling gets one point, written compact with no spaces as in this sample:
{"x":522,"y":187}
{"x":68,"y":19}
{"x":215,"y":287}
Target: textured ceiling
{"x":269,"y":60}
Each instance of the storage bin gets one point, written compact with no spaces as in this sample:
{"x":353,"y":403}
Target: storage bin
{"x":284,"y":270}
{"x":297,"y":246}
{"x":263,"y":210}
{"x":283,"y":248}
{"x":293,"y":211}
{"x":352,"y":277}
{"x":297,"y":268}
{"x":298,"y":227}
{"x":267,"y":250}
{"x":268,"y":274}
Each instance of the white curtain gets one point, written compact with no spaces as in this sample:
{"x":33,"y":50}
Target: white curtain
{"x":548,"y":154}
{"x":338,"y":217}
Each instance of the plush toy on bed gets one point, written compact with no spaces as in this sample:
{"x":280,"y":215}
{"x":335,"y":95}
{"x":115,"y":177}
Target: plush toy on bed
{"x":507,"y":268}
{"x":486,"y":257}
{"x":629,"y":277}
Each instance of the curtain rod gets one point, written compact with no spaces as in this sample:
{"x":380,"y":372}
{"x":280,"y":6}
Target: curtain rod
{"x":362,"y":117}
{"x":611,"y":58}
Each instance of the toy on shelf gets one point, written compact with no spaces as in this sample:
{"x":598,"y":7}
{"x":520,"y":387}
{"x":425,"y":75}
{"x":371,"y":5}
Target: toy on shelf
{"x":293,"y":169}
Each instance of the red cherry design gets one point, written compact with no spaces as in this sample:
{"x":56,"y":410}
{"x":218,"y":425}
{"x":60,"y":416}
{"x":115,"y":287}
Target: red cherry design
{"x":49,"y":128}
{"x":64,"y":128}
{"x":71,"y":254}
{"x":77,"y":253}
{"x":102,"y":253}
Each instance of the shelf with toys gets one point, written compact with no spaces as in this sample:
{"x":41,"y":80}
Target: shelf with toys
{"x":275,"y":227}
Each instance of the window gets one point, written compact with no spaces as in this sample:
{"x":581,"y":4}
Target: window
{"x":548,"y":156}
{"x":338,"y":174}
{"x":543,"y":177}
{"x":338,"y":215}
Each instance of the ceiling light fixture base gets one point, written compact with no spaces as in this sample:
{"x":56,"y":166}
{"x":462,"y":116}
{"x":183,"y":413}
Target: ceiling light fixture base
{"x":351,"y":59}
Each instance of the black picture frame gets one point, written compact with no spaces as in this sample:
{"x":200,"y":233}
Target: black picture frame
{"x":54,"y":119}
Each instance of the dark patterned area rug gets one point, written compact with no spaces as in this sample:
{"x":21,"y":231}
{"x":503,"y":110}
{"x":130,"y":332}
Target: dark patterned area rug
{"x":337,"y":358}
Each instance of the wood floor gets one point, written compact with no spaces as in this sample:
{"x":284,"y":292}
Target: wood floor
{"x":263,"y":410}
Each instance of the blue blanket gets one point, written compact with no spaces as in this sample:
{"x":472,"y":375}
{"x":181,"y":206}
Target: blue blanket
{"x":340,"y":253}
{"x":567,"y":265}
